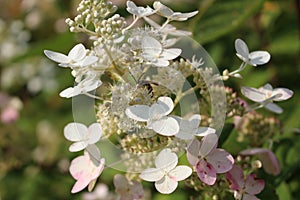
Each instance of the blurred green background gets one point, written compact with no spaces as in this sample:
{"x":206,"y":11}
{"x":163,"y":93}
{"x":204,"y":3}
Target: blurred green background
{"x":34,"y":156}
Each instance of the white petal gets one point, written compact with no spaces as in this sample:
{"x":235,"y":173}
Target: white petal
{"x":166,"y":160}
{"x":259,"y":57}
{"x":253,"y":94}
{"x":75,"y":131}
{"x":166,"y":185}
{"x":77,"y":53}
{"x":195,"y":120}
{"x":267,"y":88}
{"x":89,"y":85}
{"x":160,"y":62}
{"x":184,"y":135}
{"x":95,"y":133}
{"x":94,"y":154}
{"x":180,"y":173}
{"x":170,"y":54}
{"x":70,"y":92}
{"x":167,"y":105}
{"x":138,"y":112}
{"x":152,"y":174}
{"x":88,"y":60}
{"x":193,"y":152}
{"x":285,"y":94}
{"x":241,"y":48}
{"x":78,"y":146}
{"x":208,"y":143}
{"x":57,"y":57}
{"x":274,"y":108}
{"x":183,"y":16}
{"x":151,"y":47}
{"x":203,"y":131}
{"x":166,"y":126}
{"x":162,"y":9}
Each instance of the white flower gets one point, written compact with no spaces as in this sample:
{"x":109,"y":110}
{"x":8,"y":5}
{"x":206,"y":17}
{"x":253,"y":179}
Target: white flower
{"x":170,"y":14}
{"x":188,"y":129}
{"x":138,"y":10}
{"x":86,"y":85}
{"x":153,"y":52}
{"x":156,"y":116}
{"x":76,"y":57}
{"x":81,"y":135}
{"x":266,"y":95}
{"x":166,"y":175}
{"x":167,"y":29}
{"x":254,"y":58}
{"x":128,"y":190}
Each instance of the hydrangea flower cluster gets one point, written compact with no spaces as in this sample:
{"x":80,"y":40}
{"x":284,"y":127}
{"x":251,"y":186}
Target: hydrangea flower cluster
{"x":143,"y":76}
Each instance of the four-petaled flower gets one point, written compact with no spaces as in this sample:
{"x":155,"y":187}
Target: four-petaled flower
{"x":88,"y":84}
{"x":167,"y":12}
{"x":207,"y":159}
{"x":81,"y":135}
{"x":77,"y":57}
{"x":153,"y":52}
{"x":267,"y":157}
{"x":156,"y":116}
{"x":266,"y":95}
{"x":138,"y":11}
{"x":244,"y":189}
{"x":188,"y":129}
{"x":166,"y":175}
{"x":128,"y":190}
{"x":86,"y":169}
{"x":254,"y":58}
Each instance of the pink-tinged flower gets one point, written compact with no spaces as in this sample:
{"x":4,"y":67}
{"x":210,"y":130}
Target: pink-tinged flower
{"x":9,"y":115}
{"x":267,"y":157}
{"x":244,"y":189}
{"x":265,"y":96}
{"x":208,"y":159}
{"x":128,"y":190}
{"x":85,"y":170}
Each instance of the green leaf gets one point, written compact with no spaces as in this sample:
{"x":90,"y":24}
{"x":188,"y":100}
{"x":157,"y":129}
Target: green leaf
{"x":268,"y":193}
{"x":227,"y":129}
{"x":222,"y":18}
{"x":283,"y":192}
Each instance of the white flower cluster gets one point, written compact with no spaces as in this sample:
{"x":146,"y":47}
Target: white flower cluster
{"x":128,"y":63}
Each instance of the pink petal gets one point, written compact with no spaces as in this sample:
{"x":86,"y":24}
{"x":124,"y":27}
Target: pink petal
{"x":253,"y":186}
{"x":235,"y":177}
{"x":208,"y":144}
{"x":77,"y":167}
{"x":268,"y":158}
{"x":250,"y":197}
{"x":136,"y":190}
{"x":221,"y":160}
{"x":80,"y":184}
{"x":193,"y":152}
{"x":206,"y":172}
